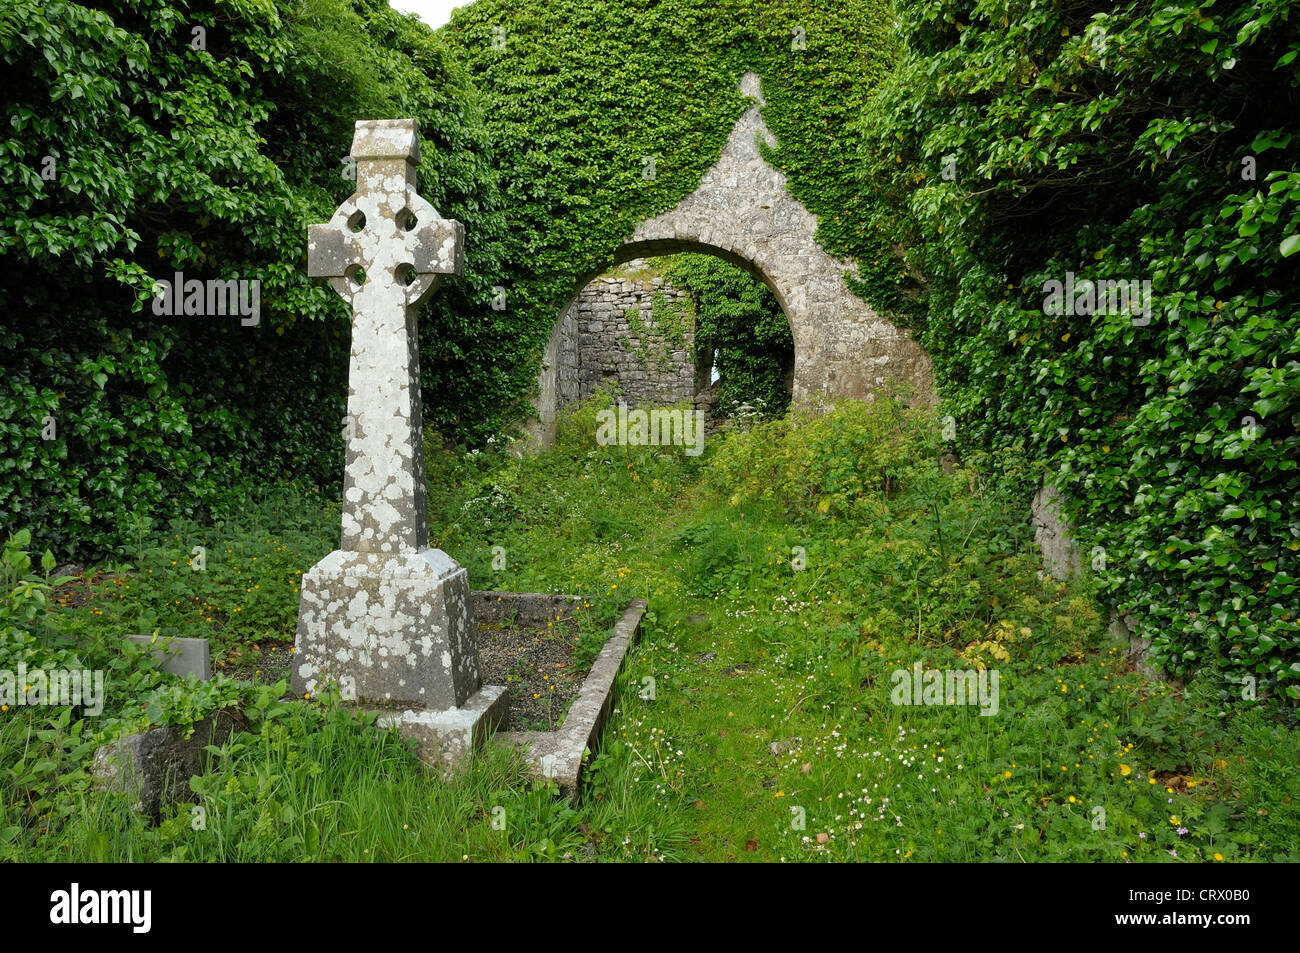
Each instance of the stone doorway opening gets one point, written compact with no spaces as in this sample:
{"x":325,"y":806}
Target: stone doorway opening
{"x":744,"y":346}
{"x":684,"y":329}
{"x":743,"y":213}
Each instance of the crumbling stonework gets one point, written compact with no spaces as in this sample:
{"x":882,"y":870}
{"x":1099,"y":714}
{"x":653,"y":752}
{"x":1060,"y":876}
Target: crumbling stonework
{"x":1061,"y":555}
{"x":743,"y":213}
{"x":636,"y":331}
{"x":153,"y":768}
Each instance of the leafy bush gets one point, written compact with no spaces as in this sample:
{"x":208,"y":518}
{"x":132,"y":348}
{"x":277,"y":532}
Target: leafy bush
{"x":714,"y":556}
{"x":235,"y":580}
{"x":1014,"y":145}
{"x":840,"y":462}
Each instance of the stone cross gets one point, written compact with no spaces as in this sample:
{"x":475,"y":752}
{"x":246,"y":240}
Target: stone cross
{"x":384,"y":251}
{"x":385,"y":618}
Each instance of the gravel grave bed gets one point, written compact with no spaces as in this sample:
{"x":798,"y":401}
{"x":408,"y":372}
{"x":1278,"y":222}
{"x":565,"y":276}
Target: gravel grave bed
{"x":537,"y":666}
{"x":263,"y":663}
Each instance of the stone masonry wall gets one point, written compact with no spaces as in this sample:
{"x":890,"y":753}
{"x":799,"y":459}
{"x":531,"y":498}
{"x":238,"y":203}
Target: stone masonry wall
{"x":743,"y":213}
{"x":610,"y":333}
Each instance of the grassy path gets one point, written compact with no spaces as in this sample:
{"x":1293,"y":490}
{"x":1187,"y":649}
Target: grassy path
{"x":759,"y":718}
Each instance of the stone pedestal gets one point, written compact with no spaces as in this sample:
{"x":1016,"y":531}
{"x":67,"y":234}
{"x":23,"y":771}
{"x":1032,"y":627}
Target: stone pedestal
{"x":388,"y":629}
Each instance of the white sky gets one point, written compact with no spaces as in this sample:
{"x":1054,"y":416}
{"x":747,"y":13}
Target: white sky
{"x":436,"y":13}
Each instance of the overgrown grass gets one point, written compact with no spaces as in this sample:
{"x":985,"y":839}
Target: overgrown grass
{"x":790,"y":572}
{"x":312,"y":786}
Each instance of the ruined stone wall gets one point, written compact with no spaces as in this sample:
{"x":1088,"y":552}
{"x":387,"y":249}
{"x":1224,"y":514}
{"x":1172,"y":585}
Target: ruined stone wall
{"x":613,"y":331}
{"x":743,"y":213}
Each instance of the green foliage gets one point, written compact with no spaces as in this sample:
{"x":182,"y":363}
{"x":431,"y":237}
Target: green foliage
{"x":46,"y":742}
{"x":716,"y":556}
{"x":768,"y":626}
{"x":670,"y":319}
{"x":242,"y":593}
{"x":1014,"y":145}
{"x":740,"y":325}
{"x":841,"y":462}
{"x":212,"y":162}
{"x":772,"y":623}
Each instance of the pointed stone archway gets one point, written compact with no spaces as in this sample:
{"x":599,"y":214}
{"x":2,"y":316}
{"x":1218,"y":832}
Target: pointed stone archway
{"x":743,"y":213}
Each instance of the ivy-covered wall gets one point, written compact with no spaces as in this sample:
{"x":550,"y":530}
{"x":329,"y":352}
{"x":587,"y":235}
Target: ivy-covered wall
{"x":604,"y":114}
{"x":148,"y":137}
{"x":1022,"y":149}
{"x":628,"y":329}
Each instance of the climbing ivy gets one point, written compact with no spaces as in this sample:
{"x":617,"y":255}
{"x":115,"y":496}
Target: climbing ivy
{"x":1016,"y":144}
{"x":665,"y":333}
{"x":670,"y":319}
{"x":738,"y":320}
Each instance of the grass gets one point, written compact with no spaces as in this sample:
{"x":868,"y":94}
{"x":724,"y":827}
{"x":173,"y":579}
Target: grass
{"x":789,"y":572}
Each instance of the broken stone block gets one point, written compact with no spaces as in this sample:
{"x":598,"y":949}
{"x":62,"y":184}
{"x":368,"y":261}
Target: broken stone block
{"x":444,"y":739}
{"x":153,"y":768}
{"x":1061,"y":554}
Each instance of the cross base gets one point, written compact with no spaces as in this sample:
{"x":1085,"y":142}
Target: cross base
{"x":446,"y":739}
{"x":391,"y":630}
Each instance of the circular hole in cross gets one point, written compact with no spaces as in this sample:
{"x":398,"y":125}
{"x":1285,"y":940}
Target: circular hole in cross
{"x":357,"y":221}
{"x":356,"y":275}
{"x":406,"y":220}
{"x":405,"y":274}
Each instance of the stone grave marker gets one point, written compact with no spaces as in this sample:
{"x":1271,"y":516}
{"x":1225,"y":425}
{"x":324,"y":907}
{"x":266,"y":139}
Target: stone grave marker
{"x":180,"y":656}
{"x":385,"y":617}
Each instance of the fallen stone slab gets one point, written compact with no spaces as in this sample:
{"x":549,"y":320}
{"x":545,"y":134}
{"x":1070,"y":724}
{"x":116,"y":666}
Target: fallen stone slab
{"x":153,"y":768}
